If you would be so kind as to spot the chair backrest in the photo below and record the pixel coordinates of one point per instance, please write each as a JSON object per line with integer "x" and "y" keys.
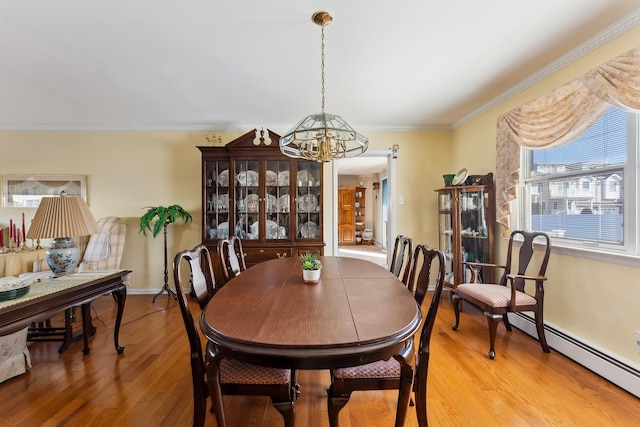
{"x": 201, "y": 276}
{"x": 104, "y": 250}
{"x": 231, "y": 257}
{"x": 525, "y": 255}
{"x": 401, "y": 258}
{"x": 203, "y": 286}
{"x": 429, "y": 270}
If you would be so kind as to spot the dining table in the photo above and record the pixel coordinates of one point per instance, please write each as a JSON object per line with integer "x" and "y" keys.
{"x": 357, "y": 313}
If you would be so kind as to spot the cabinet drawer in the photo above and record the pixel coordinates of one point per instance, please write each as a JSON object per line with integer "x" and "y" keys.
{"x": 256, "y": 255}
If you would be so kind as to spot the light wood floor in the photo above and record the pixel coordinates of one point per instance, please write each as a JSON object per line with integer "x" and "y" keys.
{"x": 150, "y": 384}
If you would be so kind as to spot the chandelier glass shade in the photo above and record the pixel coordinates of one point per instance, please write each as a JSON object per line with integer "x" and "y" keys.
{"x": 323, "y": 137}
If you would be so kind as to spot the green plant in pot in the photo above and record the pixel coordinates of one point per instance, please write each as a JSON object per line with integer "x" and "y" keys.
{"x": 163, "y": 216}
{"x": 311, "y": 267}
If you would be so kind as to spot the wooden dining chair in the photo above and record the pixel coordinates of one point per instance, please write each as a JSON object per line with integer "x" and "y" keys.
{"x": 428, "y": 269}
{"x": 401, "y": 258}
{"x": 508, "y": 295}
{"x": 237, "y": 378}
{"x": 231, "y": 257}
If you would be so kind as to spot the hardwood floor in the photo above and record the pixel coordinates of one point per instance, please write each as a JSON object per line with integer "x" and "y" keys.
{"x": 150, "y": 384}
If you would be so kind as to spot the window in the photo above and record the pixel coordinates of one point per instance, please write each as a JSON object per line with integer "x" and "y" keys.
{"x": 590, "y": 185}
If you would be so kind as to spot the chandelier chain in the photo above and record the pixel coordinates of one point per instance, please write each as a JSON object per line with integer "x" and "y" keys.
{"x": 322, "y": 64}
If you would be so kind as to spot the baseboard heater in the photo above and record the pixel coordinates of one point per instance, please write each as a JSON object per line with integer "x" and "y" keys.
{"x": 622, "y": 374}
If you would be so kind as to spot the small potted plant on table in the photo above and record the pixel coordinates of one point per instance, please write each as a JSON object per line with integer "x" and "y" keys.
{"x": 311, "y": 267}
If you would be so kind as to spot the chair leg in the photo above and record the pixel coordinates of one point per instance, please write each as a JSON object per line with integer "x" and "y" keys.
{"x": 288, "y": 411}
{"x": 420, "y": 389}
{"x": 407, "y": 372}
{"x": 334, "y": 405}
{"x": 540, "y": 328}
{"x": 505, "y": 320}
{"x": 457, "y": 302}
{"x": 492, "y": 320}
{"x": 199, "y": 407}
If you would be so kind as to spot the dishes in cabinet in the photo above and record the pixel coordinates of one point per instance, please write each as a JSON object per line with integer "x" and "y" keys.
{"x": 305, "y": 178}
{"x": 247, "y": 178}
{"x": 272, "y": 203}
{"x": 223, "y": 230}
{"x": 307, "y": 203}
{"x": 271, "y": 178}
{"x": 310, "y": 230}
{"x": 283, "y": 203}
{"x": 220, "y": 203}
{"x": 251, "y": 203}
{"x": 223, "y": 178}
{"x": 271, "y": 229}
{"x": 283, "y": 178}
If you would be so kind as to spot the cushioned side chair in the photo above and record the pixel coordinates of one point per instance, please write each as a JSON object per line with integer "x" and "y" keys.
{"x": 508, "y": 295}
{"x": 428, "y": 269}
{"x": 231, "y": 257}
{"x": 237, "y": 378}
{"x": 401, "y": 258}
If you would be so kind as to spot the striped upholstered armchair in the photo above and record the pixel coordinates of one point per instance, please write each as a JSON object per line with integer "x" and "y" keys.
{"x": 104, "y": 250}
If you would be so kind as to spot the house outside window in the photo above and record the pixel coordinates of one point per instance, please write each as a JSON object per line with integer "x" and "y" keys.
{"x": 590, "y": 184}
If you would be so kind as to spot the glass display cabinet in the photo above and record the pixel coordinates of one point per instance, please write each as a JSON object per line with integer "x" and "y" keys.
{"x": 466, "y": 216}
{"x": 272, "y": 202}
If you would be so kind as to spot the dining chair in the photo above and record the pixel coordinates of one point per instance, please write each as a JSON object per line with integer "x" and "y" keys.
{"x": 508, "y": 295}
{"x": 231, "y": 257}
{"x": 237, "y": 378}
{"x": 401, "y": 258}
{"x": 428, "y": 269}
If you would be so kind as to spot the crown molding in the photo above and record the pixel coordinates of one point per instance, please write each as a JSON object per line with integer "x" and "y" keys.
{"x": 620, "y": 27}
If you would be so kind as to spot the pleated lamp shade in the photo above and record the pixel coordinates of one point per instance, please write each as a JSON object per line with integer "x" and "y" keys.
{"x": 62, "y": 217}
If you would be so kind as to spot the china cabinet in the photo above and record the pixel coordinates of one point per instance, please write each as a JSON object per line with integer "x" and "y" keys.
{"x": 272, "y": 202}
{"x": 466, "y": 215}
{"x": 360, "y": 209}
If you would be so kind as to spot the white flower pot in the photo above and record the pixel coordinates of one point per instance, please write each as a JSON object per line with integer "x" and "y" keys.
{"x": 311, "y": 276}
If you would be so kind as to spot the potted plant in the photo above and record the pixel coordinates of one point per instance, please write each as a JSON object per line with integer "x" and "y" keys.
{"x": 163, "y": 216}
{"x": 311, "y": 267}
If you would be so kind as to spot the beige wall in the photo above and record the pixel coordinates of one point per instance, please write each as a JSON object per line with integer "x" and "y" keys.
{"x": 596, "y": 301}
{"x": 127, "y": 171}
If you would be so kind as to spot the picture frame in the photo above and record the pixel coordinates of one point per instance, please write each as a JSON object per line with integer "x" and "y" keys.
{"x": 26, "y": 191}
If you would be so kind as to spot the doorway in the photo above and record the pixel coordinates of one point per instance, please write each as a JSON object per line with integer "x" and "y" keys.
{"x": 347, "y": 167}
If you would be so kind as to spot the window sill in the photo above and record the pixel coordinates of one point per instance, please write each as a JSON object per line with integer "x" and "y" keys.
{"x": 593, "y": 254}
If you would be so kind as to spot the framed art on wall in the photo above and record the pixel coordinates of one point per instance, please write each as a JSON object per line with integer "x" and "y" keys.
{"x": 26, "y": 191}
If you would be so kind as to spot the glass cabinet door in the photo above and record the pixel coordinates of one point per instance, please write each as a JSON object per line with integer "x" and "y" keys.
{"x": 474, "y": 206}
{"x": 247, "y": 195}
{"x": 308, "y": 200}
{"x": 217, "y": 199}
{"x": 446, "y": 234}
{"x": 277, "y": 199}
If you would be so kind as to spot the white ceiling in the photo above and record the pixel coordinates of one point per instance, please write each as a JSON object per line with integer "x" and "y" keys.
{"x": 119, "y": 64}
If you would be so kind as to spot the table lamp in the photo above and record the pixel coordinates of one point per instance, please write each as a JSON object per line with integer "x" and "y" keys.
{"x": 59, "y": 218}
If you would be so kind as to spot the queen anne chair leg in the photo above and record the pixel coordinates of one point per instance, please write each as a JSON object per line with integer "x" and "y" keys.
{"x": 407, "y": 373}
{"x": 493, "y": 320}
{"x": 288, "y": 411}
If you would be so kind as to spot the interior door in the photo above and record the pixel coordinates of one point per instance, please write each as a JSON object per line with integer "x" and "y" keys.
{"x": 346, "y": 216}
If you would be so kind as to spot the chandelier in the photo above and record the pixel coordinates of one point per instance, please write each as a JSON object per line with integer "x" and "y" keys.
{"x": 322, "y": 137}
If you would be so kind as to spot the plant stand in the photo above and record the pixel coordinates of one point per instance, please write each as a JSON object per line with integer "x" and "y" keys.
{"x": 165, "y": 287}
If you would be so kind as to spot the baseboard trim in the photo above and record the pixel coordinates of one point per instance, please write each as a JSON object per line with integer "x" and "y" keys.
{"x": 625, "y": 374}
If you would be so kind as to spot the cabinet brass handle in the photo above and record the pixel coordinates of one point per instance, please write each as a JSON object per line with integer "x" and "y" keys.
{"x": 261, "y": 251}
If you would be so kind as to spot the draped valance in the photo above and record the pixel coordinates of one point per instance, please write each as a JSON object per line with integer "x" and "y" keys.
{"x": 559, "y": 117}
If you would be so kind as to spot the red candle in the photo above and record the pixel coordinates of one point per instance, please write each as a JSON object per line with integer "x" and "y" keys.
{"x": 10, "y": 228}
{"x": 18, "y": 237}
{"x": 15, "y": 234}
{"x": 2, "y": 237}
{"x": 24, "y": 232}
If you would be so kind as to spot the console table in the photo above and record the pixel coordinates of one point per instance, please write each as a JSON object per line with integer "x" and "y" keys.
{"x": 49, "y": 297}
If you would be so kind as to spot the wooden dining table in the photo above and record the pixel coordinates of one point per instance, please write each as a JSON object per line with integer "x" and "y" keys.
{"x": 358, "y": 313}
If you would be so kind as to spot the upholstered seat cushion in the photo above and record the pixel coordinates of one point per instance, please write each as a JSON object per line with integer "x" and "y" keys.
{"x": 493, "y": 295}
{"x": 380, "y": 369}
{"x": 236, "y": 372}
{"x": 14, "y": 355}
